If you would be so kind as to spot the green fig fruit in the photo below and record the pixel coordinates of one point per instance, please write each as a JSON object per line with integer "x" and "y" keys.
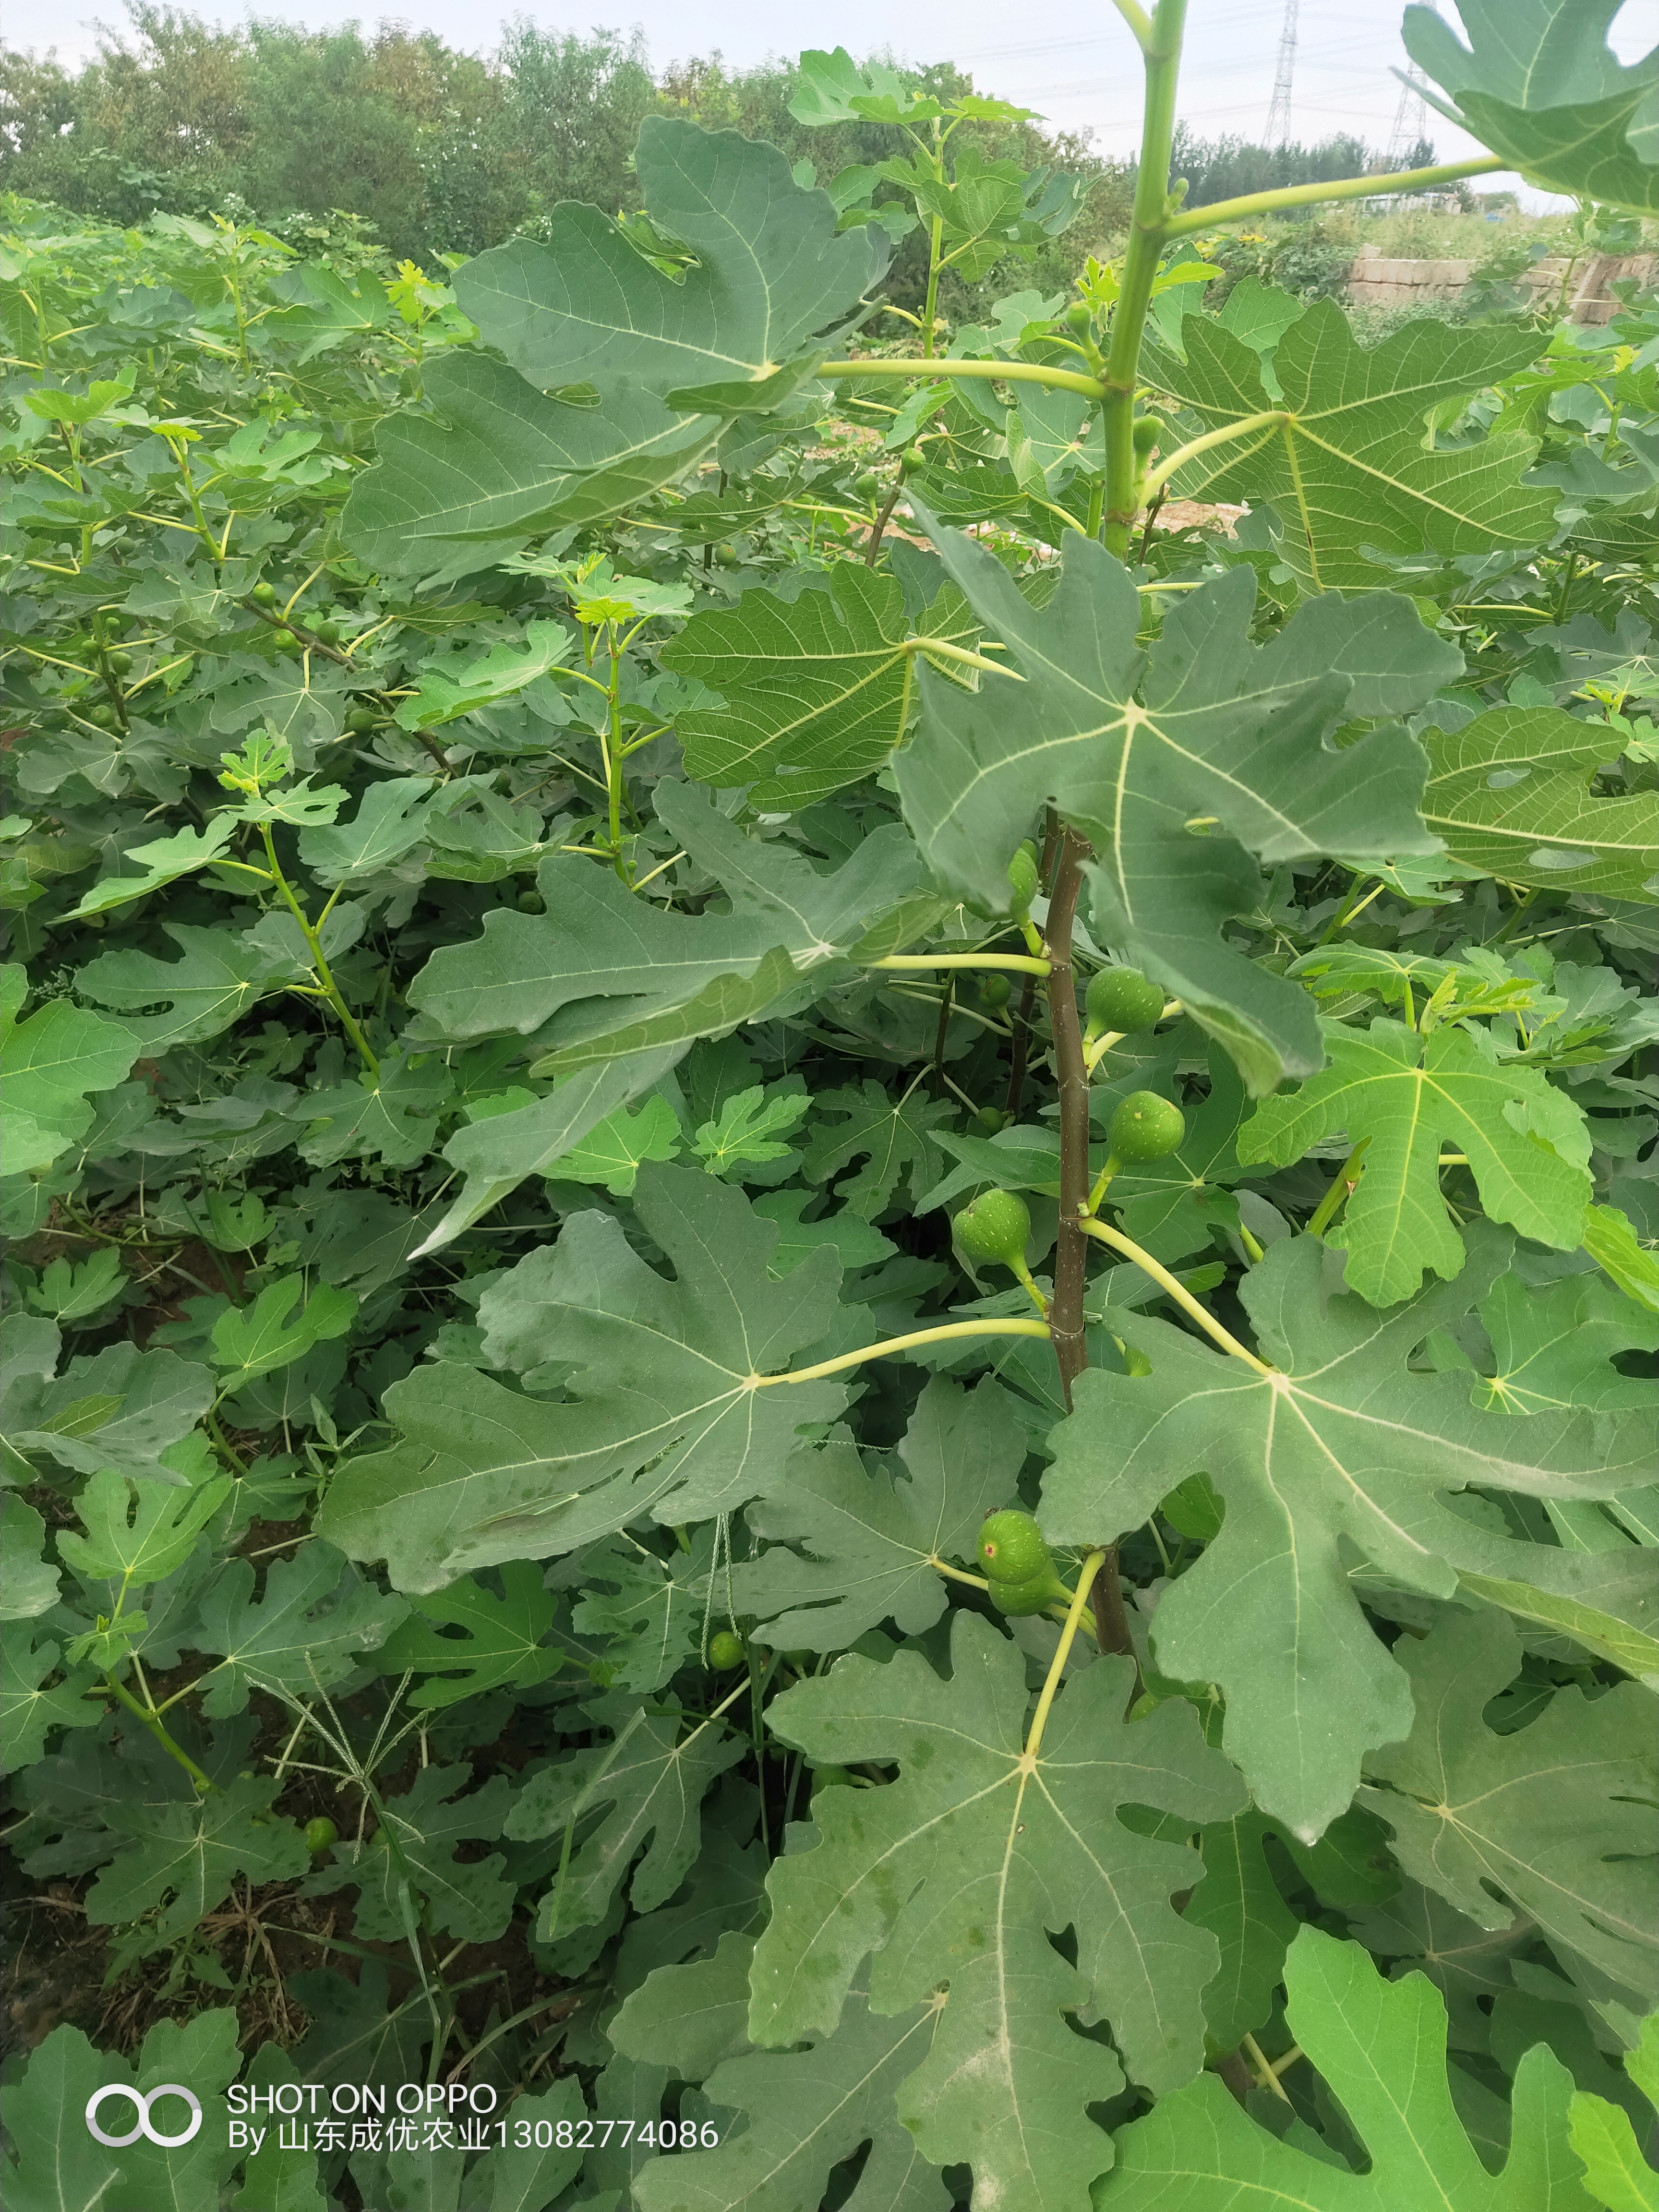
{"x": 994, "y": 1229}
{"x": 1122, "y": 998}
{"x": 726, "y": 1649}
{"x": 994, "y": 991}
{"x": 1147, "y": 1128}
{"x": 321, "y": 1835}
{"x": 1035, "y": 1595}
{"x": 1012, "y": 1548}
{"x": 1023, "y": 881}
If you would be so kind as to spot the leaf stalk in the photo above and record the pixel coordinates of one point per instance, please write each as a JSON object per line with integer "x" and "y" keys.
{"x": 1348, "y": 188}
{"x": 1091, "y": 1567}
{"x": 1176, "y": 1289}
{"x": 948, "y": 1332}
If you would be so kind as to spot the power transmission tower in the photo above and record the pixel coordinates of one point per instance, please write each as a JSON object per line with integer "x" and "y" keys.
{"x": 1278, "y": 115}
{"x": 1411, "y": 122}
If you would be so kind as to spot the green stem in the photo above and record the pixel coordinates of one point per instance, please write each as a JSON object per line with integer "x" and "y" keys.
{"x": 1150, "y": 225}
{"x": 1091, "y": 1567}
{"x": 929, "y": 307}
{"x": 152, "y": 1721}
{"x": 1350, "y": 188}
{"x": 1024, "y": 964}
{"x": 942, "y": 1034}
{"x": 1346, "y": 1176}
{"x": 1175, "y": 1289}
{"x": 937, "y": 646}
{"x": 1157, "y": 479}
{"x": 613, "y": 762}
{"x": 182, "y": 452}
{"x": 947, "y": 1333}
{"x": 223, "y": 1441}
{"x": 955, "y": 1574}
{"x": 1001, "y": 372}
{"x": 1266, "y": 2077}
{"x": 1352, "y": 908}
{"x": 325, "y": 975}
{"x": 1102, "y": 1182}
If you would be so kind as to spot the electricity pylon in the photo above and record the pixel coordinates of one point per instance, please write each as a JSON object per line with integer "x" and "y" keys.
{"x": 1278, "y": 115}
{"x": 1411, "y": 122}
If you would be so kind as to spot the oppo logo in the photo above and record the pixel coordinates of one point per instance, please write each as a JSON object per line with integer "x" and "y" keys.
{"x": 144, "y": 2101}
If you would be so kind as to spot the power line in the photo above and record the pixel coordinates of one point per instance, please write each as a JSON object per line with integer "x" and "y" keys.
{"x": 1279, "y": 114}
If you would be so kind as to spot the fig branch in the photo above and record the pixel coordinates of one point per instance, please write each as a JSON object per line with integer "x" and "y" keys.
{"x": 1071, "y": 1257}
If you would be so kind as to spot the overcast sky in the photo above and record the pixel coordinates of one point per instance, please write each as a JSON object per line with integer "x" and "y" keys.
{"x": 1077, "y": 66}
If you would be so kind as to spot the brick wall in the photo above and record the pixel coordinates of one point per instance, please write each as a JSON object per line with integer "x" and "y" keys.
{"x": 1375, "y": 281}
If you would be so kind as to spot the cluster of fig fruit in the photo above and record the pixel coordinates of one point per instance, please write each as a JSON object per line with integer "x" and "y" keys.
{"x": 1018, "y": 1565}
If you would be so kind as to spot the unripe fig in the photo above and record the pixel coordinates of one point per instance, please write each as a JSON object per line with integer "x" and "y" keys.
{"x": 827, "y": 1777}
{"x": 910, "y": 460}
{"x": 361, "y": 721}
{"x": 1035, "y": 1595}
{"x": 1147, "y": 1128}
{"x": 994, "y": 1229}
{"x": 321, "y": 1835}
{"x": 728, "y": 557}
{"x": 327, "y": 631}
{"x": 994, "y": 990}
{"x": 1080, "y": 315}
{"x": 1148, "y": 429}
{"x": 1012, "y": 1548}
{"x": 263, "y": 595}
{"x": 1023, "y": 881}
{"x": 1122, "y": 998}
{"x": 991, "y": 1119}
{"x": 119, "y": 660}
{"x": 865, "y": 484}
{"x": 726, "y": 1649}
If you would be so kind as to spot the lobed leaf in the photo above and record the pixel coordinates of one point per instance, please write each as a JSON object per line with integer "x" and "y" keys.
{"x": 1347, "y": 470}
{"x": 1336, "y": 1449}
{"x": 1176, "y": 767}
{"x": 1381, "y": 2047}
{"x": 957, "y": 1872}
{"x": 1554, "y": 1820}
{"x": 663, "y": 1418}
